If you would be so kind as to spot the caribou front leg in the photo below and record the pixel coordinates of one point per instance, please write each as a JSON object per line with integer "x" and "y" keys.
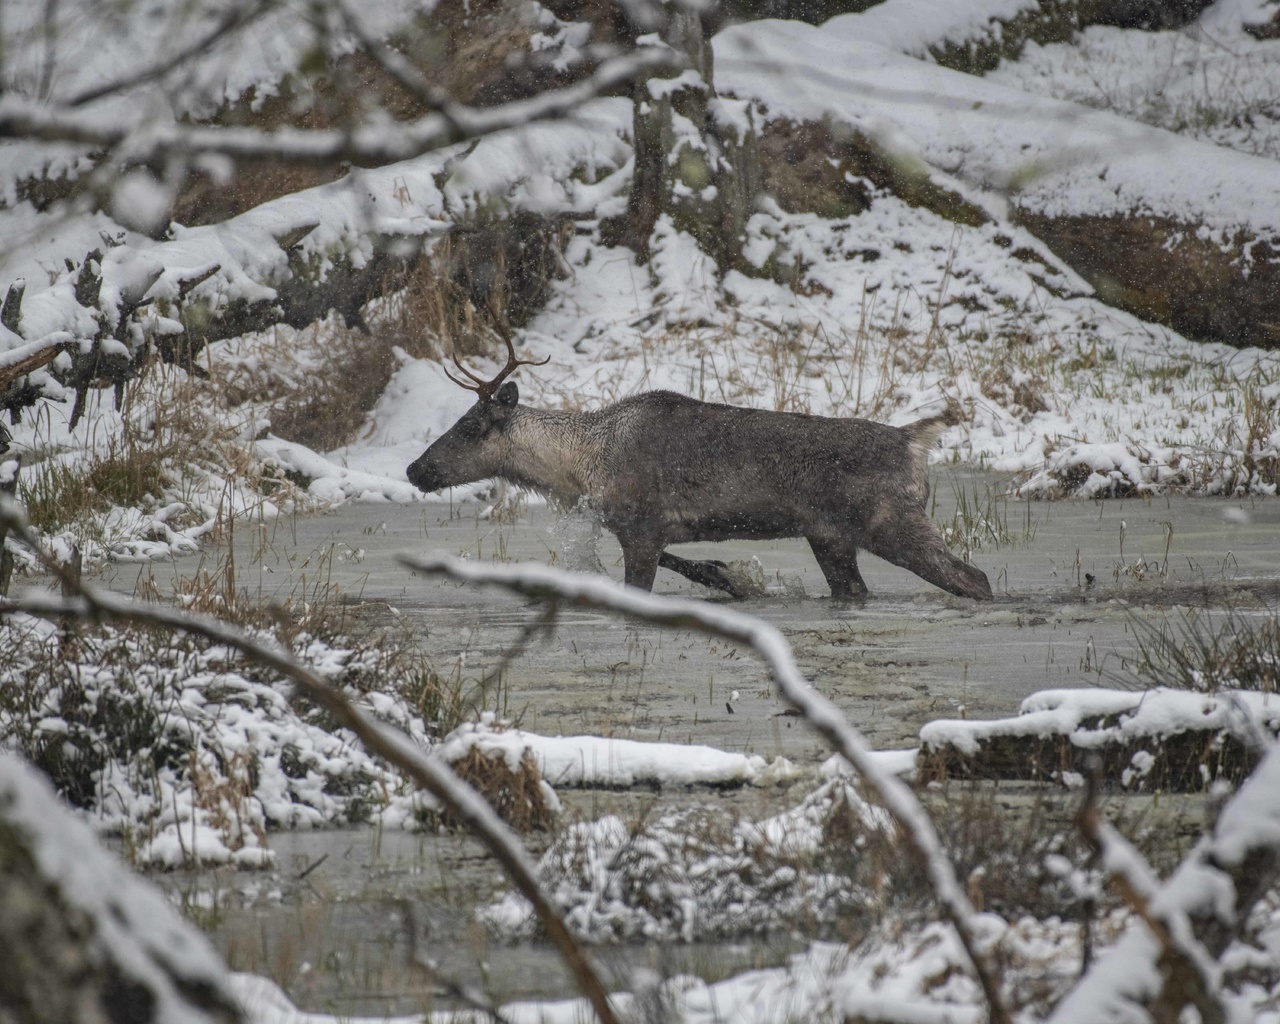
{"x": 639, "y": 561}
{"x": 709, "y": 572}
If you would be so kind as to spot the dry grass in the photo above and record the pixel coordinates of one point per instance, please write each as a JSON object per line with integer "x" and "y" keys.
{"x": 494, "y": 270}
{"x": 518, "y": 796}
{"x": 330, "y": 405}
{"x": 1208, "y": 652}
{"x": 170, "y": 439}
{"x": 981, "y": 521}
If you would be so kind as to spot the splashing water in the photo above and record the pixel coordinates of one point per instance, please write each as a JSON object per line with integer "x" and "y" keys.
{"x": 577, "y": 531}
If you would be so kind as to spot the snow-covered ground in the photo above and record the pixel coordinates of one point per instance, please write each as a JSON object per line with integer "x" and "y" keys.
{"x": 1211, "y": 80}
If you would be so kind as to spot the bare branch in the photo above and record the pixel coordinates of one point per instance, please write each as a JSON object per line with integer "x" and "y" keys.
{"x": 234, "y": 19}
{"x": 395, "y": 747}
{"x": 399, "y": 67}
{"x": 381, "y": 144}
{"x": 543, "y": 583}
{"x": 446, "y": 984}
{"x": 1213, "y": 889}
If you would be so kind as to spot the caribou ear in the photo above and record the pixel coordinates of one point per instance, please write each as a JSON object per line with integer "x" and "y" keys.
{"x": 508, "y": 394}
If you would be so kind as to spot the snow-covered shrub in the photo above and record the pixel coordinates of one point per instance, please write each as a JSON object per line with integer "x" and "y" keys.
{"x": 189, "y": 751}
{"x": 689, "y": 875}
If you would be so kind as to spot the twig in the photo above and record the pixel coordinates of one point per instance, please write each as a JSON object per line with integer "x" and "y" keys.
{"x": 379, "y": 738}
{"x": 399, "y": 67}
{"x": 1138, "y": 885}
{"x": 236, "y": 18}
{"x": 371, "y": 145}
{"x": 544, "y": 583}
{"x": 312, "y": 866}
{"x": 447, "y": 985}
{"x": 1213, "y": 890}
{"x": 545, "y": 623}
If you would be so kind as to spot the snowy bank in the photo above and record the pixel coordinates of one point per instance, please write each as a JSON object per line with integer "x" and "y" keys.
{"x": 1158, "y": 739}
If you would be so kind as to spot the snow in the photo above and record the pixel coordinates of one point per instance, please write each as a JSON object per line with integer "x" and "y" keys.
{"x": 894, "y": 272}
{"x": 894, "y": 313}
{"x": 212, "y": 755}
{"x": 1121, "y": 716}
{"x": 127, "y": 922}
{"x": 679, "y": 877}
{"x": 606, "y": 762}
{"x": 1059, "y": 158}
{"x": 910, "y": 974}
{"x": 915, "y": 26}
{"x": 1211, "y": 81}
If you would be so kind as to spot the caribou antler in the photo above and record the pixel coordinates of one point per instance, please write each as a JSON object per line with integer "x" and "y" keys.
{"x": 486, "y": 389}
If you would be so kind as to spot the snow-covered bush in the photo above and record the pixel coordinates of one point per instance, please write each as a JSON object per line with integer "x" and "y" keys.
{"x": 689, "y": 875}
{"x": 190, "y": 752}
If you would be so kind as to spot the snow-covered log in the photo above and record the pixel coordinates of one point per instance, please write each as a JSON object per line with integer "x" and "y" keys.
{"x": 83, "y": 939}
{"x": 1161, "y": 740}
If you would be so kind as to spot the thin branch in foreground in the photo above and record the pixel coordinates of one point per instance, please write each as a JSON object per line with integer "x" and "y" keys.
{"x": 547, "y": 584}
{"x": 445, "y": 984}
{"x": 374, "y": 145}
{"x": 1214, "y": 889}
{"x": 234, "y": 19}
{"x": 429, "y": 773}
{"x": 1138, "y": 885}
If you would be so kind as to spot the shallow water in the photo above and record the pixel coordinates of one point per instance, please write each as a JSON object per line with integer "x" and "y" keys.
{"x": 1068, "y": 586}
{"x": 1072, "y": 579}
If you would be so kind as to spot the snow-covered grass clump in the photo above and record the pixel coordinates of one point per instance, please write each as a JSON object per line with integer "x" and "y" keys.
{"x": 190, "y": 753}
{"x": 689, "y": 875}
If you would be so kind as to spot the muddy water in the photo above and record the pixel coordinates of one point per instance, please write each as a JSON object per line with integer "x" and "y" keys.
{"x": 1071, "y": 580}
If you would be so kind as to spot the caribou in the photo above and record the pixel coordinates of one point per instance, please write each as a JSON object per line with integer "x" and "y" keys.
{"x": 660, "y": 468}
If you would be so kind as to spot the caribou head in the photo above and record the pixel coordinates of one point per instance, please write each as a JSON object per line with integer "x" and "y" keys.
{"x": 477, "y": 446}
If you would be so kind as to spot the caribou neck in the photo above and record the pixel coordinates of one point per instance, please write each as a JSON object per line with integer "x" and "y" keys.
{"x": 553, "y": 453}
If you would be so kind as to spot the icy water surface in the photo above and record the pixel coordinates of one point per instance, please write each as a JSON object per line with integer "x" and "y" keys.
{"x": 1070, "y": 577}
{"x": 334, "y": 922}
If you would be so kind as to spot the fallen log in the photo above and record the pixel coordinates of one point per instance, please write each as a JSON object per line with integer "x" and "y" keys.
{"x": 1153, "y": 741}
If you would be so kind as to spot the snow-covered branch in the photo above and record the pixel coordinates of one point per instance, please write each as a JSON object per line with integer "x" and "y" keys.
{"x": 429, "y": 773}
{"x": 84, "y": 938}
{"x": 1213, "y": 889}
{"x": 232, "y": 20}
{"x": 1169, "y": 923}
{"x": 381, "y": 143}
{"x": 549, "y": 584}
